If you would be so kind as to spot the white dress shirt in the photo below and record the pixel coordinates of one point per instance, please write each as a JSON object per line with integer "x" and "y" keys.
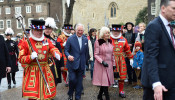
{"x": 80, "y": 41}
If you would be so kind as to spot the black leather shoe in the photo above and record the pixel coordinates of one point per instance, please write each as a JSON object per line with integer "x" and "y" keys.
{"x": 122, "y": 94}
{"x": 14, "y": 82}
{"x": 99, "y": 97}
{"x": 9, "y": 86}
{"x": 82, "y": 92}
{"x": 70, "y": 98}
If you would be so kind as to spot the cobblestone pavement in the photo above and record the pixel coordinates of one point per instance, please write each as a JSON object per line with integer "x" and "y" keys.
{"x": 90, "y": 92}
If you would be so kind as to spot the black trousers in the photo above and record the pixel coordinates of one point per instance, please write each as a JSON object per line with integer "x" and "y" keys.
{"x": 103, "y": 89}
{"x": 130, "y": 71}
{"x": 9, "y": 77}
{"x": 0, "y": 81}
{"x": 148, "y": 94}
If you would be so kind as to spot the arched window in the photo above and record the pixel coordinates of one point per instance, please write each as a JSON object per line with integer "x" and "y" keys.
{"x": 113, "y": 9}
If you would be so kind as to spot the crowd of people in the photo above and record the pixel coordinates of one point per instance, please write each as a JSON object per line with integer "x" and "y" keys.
{"x": 143, "y": 56}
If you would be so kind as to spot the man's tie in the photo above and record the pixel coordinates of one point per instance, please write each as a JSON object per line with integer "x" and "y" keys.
{"x": 172, "y": 35}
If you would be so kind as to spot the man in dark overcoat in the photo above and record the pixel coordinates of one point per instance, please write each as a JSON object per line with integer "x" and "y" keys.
{"x": 4, "y": 59}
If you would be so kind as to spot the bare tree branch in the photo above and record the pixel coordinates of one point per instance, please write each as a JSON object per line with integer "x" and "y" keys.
{"x": 69, "y": 12}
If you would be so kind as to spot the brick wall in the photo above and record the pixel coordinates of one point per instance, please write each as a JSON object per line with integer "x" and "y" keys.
{"x": 47, "y": 11}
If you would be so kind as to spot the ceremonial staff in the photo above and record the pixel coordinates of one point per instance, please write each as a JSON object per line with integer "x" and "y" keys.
{"x": 20, "y": 18}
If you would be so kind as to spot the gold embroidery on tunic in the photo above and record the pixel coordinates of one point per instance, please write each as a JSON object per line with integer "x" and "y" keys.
{"x": 38, "y": 45}
{"x": 41, "y": 56}
{"x": 39, "y": 51}
{"x": 117, "y": 49}
{"x": 115, "y": 42}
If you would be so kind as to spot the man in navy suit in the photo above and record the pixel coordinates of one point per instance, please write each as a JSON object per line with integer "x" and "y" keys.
{"x": 76, "y": 51}
{"x": 158, "y": 73}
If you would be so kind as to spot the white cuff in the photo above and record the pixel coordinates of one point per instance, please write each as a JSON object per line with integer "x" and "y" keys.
{"x": 156, "y": 84}
{"x": 64, "y": 44}
{"x": 57, "y": 56}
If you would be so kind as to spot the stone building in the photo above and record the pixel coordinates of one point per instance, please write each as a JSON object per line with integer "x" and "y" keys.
{"x": 30, "y": 9}
{"x": 98, "y": 13}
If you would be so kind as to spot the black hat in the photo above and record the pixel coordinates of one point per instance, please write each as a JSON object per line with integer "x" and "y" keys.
{"x": 27, "y": 31}
{"x": 67, "y": 26}
{"x": 116, "y": 27}
{"x": 129, "y": 23}
{"x": 37, "y": 24}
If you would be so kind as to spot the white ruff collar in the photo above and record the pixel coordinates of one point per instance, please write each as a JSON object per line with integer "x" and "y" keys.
{"x": 67, "y": 34}
{"x": 35, "y": 38}
{"x": 116, "y": 37}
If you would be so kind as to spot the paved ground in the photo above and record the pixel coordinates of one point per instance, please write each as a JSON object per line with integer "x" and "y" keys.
{"x": 90, "y": 92}
{"x": 18, "y": 78}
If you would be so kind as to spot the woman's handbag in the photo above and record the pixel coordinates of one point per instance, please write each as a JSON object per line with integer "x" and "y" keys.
{"x": 116, "y": 74}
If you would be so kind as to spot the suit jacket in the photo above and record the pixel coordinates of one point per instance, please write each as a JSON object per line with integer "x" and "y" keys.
{"x": 159, "y": 56}
{"x": 4, "y": 57}
{"x": 80, "y": 56}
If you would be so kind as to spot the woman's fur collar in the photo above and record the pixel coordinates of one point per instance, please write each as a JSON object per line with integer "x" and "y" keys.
{"x": 101, "y": 41}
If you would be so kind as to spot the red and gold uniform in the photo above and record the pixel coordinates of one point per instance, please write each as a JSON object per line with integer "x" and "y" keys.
{"x": 19, "y": 46}
{"x": 20, "y": 43}
{"x": 34, "y": 86}
{"x": 21, "y": 40}
{"x": 62, "y": 39}
{"x": 121, "y": 48}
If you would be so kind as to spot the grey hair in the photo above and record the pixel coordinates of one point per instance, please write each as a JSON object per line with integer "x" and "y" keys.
{"x": 165, "y": 2}
{"x": 79, "y": 24}
{"x": 103, "y": 30}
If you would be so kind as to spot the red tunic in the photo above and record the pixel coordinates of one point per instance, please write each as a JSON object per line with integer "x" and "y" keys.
{"x": 63, "y": 38}
{"x": 19, "y": 46}
{"x": 121, "y": 48}
{"x": 34, "y": 86}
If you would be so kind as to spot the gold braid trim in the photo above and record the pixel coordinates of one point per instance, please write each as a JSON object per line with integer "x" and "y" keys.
{"x": 127, "y": 51}
{"x": 55, "y": 69}
{"x": 62, "y": 37}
